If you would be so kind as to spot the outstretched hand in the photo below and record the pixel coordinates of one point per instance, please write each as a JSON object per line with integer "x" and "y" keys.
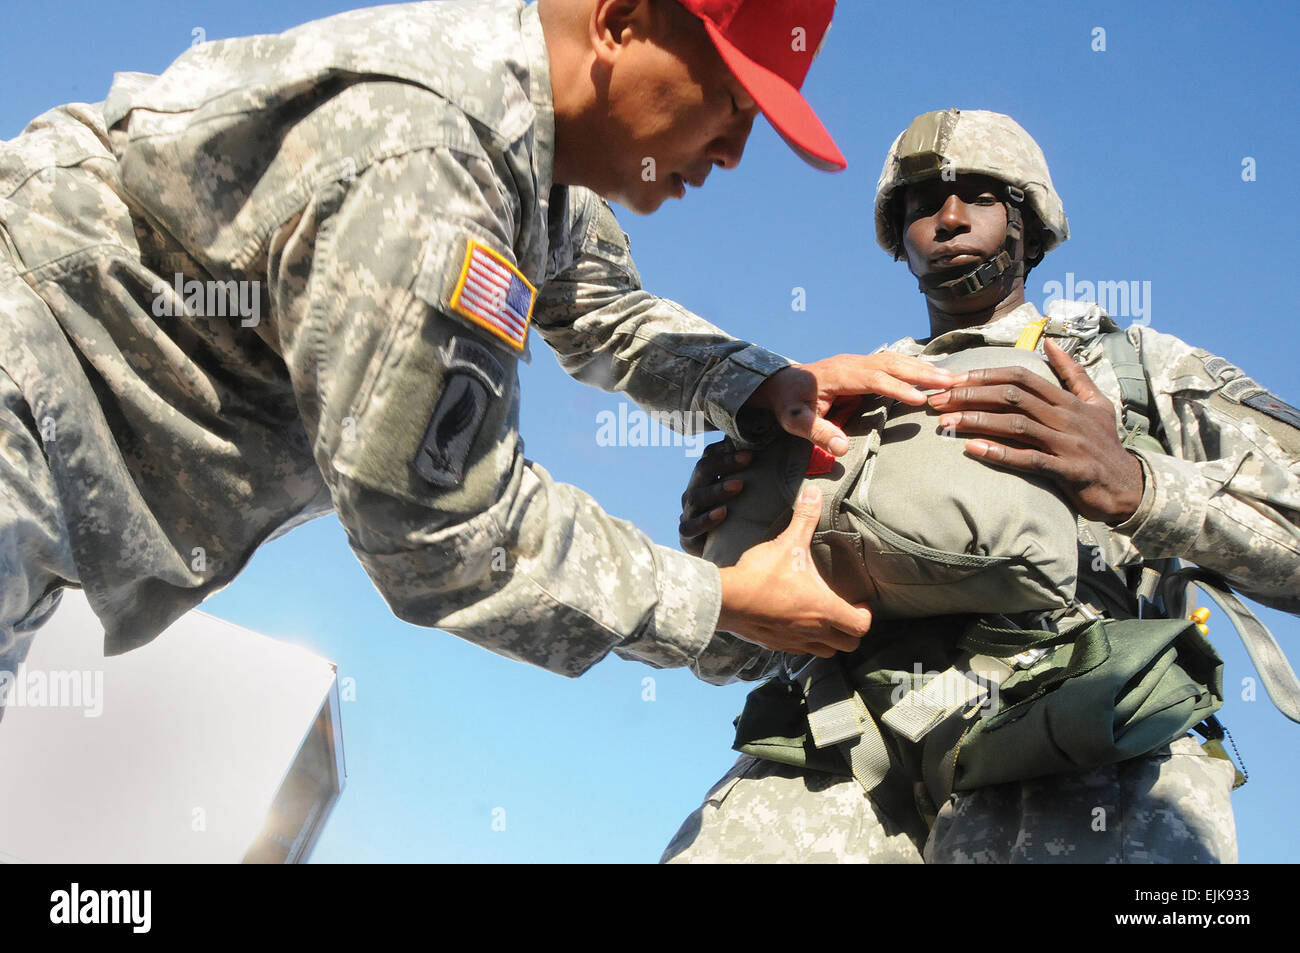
{"x": 1065, "y": 433}
{"x": 775, "y": 597}
{"x": 801, "y": 395}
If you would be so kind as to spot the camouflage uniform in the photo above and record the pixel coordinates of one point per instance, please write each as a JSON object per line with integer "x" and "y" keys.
{"x": 330, "y": 180}
{"x": 1225, "y": 496}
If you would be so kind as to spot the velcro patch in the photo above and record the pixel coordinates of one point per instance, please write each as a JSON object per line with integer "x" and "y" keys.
{"x": 1217, "y": 367}
{"x": 494, "y": 295}
{"x": 1275, "y": 407}
{"x": 455, "y": 424}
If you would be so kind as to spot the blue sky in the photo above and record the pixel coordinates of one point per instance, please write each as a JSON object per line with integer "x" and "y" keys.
{"x": 1146, "y": 141}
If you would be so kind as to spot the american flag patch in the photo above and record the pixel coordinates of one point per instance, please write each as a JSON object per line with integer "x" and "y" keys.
{"x": 494, "y": 295}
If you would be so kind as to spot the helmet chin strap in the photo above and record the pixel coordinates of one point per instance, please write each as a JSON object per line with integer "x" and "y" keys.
{"x": 1009, "y": 262}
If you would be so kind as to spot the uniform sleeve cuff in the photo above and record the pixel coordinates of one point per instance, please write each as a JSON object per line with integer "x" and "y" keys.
{"x": 728, "y": 658}
{"x": 732, "y": 384}
{"x": 1169, "y": 519}
{"x": 686, "y": 612}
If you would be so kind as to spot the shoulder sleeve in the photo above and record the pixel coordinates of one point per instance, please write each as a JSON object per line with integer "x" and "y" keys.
{"x": 1226, "y": 495}
{"x": 411, "y": 402}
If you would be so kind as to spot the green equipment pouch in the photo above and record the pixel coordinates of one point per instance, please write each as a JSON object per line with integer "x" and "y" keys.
{"x": 1101, "y": 692}
{"x": 1021, "y": 703}
{"x": 774, "y": 727}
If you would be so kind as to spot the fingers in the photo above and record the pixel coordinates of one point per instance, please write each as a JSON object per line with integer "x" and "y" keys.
{"x": 964, "y": 406}
{"x": 713, "y": 467}
{"x": 823, "y": 645}
{"x": 838, "y": 641}
{"x": 857, "y": 374}
{"x": 703, "y": 503}
{"x": 1071, "y": 372}
{"x": 774, "y": 595}
{"x": 853, "y": 622}
{"x": 1000, "y": 386}
{"x": 1018, "y": 427}
{"x": 1027, "y": 460}
{"x": 802, "y": 422}
{"x": 707, "y": 517}
{"x": 848, "y": 622}
{"x": 898, "y": 389}
{"x": 897, "y": 372}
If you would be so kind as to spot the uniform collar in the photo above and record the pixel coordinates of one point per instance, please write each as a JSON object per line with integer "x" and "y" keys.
{"x": 539, "y": 80}
{"x": 1005, "y": 331}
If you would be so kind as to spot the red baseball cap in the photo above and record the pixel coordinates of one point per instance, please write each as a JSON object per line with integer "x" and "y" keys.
{"x": 769, "y": 46}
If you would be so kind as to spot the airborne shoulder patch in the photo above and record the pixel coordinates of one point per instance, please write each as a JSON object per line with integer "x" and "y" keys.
{"x": 444, "y": 451}
{"x": 475, "y": 378}
{"x": 493, "y": 294}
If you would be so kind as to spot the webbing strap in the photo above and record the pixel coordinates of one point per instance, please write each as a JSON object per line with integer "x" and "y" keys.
{"x": 868, "y": 757}
{"x": 1267, "y": 656}
{"x": 1004, "y": 643}
{"x": 921, "y": 709}
{"x": 837, "y": 716}
{"x": 1148, "y": 584}
{"x": 1135, "y": 396}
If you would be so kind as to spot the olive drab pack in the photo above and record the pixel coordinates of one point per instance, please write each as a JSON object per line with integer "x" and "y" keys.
{"x": 1000, "y": 700}
{"x": 911, "y": 524}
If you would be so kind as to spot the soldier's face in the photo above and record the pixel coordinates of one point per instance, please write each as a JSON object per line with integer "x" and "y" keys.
{"x": 674, "y": 112}
{"x": 953, "y": 227}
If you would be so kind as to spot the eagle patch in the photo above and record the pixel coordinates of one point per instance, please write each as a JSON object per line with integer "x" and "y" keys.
{"x": 452, "y": 430}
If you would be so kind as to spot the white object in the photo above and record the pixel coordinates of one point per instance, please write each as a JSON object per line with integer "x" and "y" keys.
{"x": 210, "y": 744}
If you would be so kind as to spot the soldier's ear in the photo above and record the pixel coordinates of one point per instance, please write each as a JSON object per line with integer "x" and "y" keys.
{"x": 1033, "y": 240}
{"x": 615, "y": 23}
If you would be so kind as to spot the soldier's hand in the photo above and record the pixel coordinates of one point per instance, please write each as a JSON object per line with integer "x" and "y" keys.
{"x": 800, "y": 395}
{"x": 703, "y": 503}
{"x": 1067, "y": 434}
{"x": 775, "y": 597}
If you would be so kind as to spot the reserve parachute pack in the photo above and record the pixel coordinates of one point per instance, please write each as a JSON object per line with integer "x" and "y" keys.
{"x": 910, "y": 523}
{"x": 945, "y": 548}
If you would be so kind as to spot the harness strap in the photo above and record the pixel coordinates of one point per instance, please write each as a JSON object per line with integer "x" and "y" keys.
{"x": 1267, "y": 656}
{"x": 1135, "y": 395}
{"x": 918, "y": 712}
{"x": 838, "y": 716}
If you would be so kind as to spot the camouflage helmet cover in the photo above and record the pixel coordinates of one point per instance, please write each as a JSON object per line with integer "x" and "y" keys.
{"x": 971, "y": 142}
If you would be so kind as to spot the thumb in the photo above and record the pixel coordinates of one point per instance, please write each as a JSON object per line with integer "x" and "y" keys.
{"x": 801, "y": 421}
{"x": 1071, "y": 373}
{"x": 829, "y": 437}
{"x": 807, "y": 513}
{"x": 852, "y": 619}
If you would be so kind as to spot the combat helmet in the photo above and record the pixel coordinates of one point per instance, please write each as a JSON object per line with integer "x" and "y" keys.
{"x": 952, "y": 142}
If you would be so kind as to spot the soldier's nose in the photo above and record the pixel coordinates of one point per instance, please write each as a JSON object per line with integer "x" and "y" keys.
{"x": 952, "y": 217}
